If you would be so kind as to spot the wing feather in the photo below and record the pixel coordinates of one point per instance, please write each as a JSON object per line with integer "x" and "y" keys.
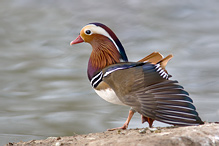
{"x": 146, "y": 90}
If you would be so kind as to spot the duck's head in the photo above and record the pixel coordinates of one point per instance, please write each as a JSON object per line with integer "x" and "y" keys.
{"x": 100, "y": 37}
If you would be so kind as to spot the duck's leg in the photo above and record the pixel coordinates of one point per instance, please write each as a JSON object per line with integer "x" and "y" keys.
{"x": 125, "y": 126}
{"x": 149, "y": 120}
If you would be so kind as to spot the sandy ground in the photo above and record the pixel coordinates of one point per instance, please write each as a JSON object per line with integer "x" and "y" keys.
{"x": 207, "y": 134}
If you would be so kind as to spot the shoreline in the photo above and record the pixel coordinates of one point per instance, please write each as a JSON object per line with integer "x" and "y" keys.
{"x": 207, "y": 134}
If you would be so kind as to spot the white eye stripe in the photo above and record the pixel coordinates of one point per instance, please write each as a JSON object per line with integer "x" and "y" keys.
{"x": 99, "y": 30}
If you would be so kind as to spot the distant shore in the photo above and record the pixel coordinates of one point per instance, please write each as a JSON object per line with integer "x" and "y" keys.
{"x": 207, "y": 134}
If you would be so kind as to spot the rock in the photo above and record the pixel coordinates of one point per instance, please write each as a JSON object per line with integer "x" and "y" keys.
{"x": 202, "y": 135}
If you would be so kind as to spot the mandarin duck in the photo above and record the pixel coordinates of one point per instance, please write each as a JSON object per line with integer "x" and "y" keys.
{"x": 144, "y": 85}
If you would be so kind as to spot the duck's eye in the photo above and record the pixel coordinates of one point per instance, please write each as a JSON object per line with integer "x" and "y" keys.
{"x": 88, "y": 32}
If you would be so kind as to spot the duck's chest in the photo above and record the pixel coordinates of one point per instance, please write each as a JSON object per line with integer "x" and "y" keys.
{"x": 102, "y": 88}
{"x": 109, "y": 95}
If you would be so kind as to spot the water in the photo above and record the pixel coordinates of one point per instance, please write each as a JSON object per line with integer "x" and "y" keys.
{"x": 44, "y": 90}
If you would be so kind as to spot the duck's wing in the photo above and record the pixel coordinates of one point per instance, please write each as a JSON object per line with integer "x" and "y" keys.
{"x": 146, "y": 88}
{"x": 157, "y": 58}
{"x": 154, "y": 58}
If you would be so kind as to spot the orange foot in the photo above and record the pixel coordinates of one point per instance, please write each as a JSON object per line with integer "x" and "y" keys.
{"x": 125, "y": 126}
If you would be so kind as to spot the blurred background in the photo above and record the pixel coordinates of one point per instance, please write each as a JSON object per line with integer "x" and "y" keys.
{"x": 44, "y": 90}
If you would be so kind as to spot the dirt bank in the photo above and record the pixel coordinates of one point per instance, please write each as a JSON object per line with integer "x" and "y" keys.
{"x": 207, "y": 134}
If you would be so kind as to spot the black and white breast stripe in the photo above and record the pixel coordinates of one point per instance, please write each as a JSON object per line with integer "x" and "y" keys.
{"x": 97, "y": 79}
{"x": 161, "y": 72}
{"x": 99, "y": 76}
